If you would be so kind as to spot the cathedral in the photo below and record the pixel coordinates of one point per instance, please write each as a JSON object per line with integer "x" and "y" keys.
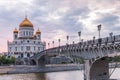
{"x": 26, "y": 42}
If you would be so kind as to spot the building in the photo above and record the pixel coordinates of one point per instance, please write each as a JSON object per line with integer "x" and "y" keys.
{"x": 26, "y": 42}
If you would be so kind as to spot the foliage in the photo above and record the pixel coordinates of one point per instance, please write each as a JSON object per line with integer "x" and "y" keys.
{"x": 78, "y": 60}
{"x": 64, "y": 62}
{"x": 6, "y": 61}
{"x": 114, "y": 59}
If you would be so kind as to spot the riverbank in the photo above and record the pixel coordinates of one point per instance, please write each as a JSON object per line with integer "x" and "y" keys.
{"x": 16, "y": 69}
{"x": 35, "y": 69}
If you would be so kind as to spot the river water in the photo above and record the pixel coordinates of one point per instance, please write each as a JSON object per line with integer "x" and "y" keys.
{"x": 64, "y": 75}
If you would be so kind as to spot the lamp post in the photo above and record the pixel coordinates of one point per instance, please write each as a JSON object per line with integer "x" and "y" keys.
{"x": 79, "y": 34}
{"x": 111, "y": 34}
{"x": 82, "y": 40}
{"x": 99, "y": 40}
{"x": 59, "y": 47}
{"x": 67, "y": 39}
{"x": 53, "y": 43}
{"x": 73, "y": 42}
{"x": 99, "y": 28}
{"x": 59, "y": 42}
{"x": 93, "y": 39}
{"x": 48, "y": 45}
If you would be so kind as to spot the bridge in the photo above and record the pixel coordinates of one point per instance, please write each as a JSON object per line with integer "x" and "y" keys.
{"x": 94, "y": 52}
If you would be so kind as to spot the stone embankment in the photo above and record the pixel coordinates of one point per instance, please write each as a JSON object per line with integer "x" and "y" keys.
{"x": 15, "y": 69}
{"x": 35, "y": 69}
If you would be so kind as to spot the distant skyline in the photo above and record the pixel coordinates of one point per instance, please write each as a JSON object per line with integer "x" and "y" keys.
{"x": 59, "y": 18}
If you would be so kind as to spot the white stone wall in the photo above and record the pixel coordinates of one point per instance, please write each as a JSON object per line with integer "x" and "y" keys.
{"x": 25, "y": 43}
{"x": 26, "y": 32}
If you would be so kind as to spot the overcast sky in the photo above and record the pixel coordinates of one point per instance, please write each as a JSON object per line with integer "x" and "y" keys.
{"x": 59, "y": 18}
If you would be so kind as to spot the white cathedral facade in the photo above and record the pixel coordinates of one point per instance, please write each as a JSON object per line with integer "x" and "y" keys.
{"x": 26, "y": 42}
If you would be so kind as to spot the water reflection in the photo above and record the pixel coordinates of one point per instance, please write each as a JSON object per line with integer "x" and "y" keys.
{"x": 30, "y": 76}
{"x": 40, "y": 76}
{"x": 65, "y": 75}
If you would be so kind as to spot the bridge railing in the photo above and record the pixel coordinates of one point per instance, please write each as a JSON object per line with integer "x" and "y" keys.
{"x": 83, "y": 46}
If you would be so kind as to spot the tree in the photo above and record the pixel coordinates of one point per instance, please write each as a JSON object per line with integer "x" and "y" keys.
{"x": 6, "y": 61}
{"x": 12, "y": 60}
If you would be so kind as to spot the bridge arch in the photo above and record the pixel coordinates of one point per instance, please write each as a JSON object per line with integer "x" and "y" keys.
{"x": 33, "y": 62}
{"x": 41, "y": 60}
{"x": 99, "y": 69}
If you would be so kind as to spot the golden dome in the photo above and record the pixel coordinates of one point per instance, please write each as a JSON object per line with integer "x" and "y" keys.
{"x": 15, "y": 30}
{"x": 38, "y": 31}
{"x": 26, "y": 23}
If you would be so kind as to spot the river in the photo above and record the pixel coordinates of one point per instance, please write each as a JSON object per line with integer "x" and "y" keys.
{"x": 64, "y": 75}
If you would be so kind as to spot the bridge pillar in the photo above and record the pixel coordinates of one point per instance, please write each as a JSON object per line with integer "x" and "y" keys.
{"x": 41, "y": 62}
{"x": 98, "y": 70}
{"x": 87, "y": 70}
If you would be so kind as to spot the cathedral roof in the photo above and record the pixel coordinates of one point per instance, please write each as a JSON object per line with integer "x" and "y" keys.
{"x": 15, "y": 30}
{"x": 38, "y": 31}
{"x": 26, "y": 23}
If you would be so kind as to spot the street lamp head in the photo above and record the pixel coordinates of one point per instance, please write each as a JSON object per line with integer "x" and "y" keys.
{"x": 58, "y": 40}
{"x": 94, "y": 38}
{"x": 99, "y": 27}
{"x": 73, "y": 42}
{"x": 53, "y": 42}
{"x": 48, "y": 44}
{"x": 111, "y": 34}
{"x": 82, "y": 40}
{"x": 67, "y": 37}
{"x": 79, "y": 33}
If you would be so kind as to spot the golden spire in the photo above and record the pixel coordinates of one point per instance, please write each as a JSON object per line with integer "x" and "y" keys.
{"x": 15, "y": 30}
{"x": 38, "y": 31}
{"x": 26, "y": 23}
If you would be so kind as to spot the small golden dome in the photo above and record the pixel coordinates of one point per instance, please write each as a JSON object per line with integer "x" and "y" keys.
{"x": 15, "y": 30}
{"x": 38, "y": 31}
{"x": 26, "y": 23}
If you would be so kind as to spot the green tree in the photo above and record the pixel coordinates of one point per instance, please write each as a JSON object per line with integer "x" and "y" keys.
{"x": 6, "y": 61}
{"x": 12, "y": 60}
{"x": 3, "y": 59}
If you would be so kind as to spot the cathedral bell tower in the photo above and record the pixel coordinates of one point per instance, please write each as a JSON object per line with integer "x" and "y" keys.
{"x": 15, "y": 34}
{"x": 38, "y": 34}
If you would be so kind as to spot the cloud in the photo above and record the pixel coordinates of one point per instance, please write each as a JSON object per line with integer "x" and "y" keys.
{"x": 108, "y": 19}
{"x": 59, "y": 18}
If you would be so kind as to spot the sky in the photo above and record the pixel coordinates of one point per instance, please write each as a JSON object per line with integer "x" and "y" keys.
{"x": 58, "y": 18}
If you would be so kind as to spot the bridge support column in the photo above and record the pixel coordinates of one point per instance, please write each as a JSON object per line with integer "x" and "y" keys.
{"x": 98, "y": 70}
{"x": 87, "y": 70}
{"x": 41, "y": 62}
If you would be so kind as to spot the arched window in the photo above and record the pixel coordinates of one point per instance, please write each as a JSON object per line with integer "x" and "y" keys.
{"x": 34, "y": 48}
{"x": 15, "y": 48}
{"x": 27, "y": 47}
{"x": 10, "y": 48}
{"x": 28, "y": 54}
{"x": 38, "y": 36}
{"x": 29, "y": 33}
{"x": 15, "y": 36}
{"x": 26, "y": 33}
{"x": 38, "y": 48}
{"x": 22, "y": 55}
{"x": 21, "y": 48}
